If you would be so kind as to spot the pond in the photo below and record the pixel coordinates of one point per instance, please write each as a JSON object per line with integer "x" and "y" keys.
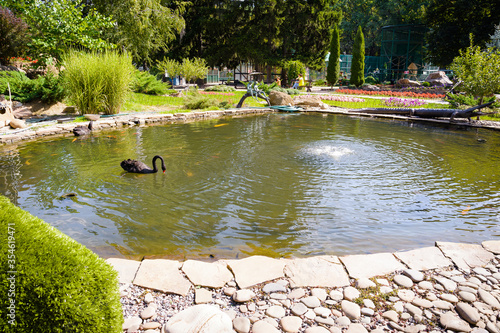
{"x": 275, "y": 185}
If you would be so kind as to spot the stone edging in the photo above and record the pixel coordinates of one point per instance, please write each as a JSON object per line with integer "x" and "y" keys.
{"x": 451, "y": 286}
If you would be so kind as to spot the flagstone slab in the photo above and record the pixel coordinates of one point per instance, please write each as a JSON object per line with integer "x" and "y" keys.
{"x": 316, "y": 272}
{"x": 213, "y": 275}
{"x": 370, "y": 265}
{"x": 164, "y": 275}
{"x": 465, "y": 256}
{"x": 256, "y": 269}
{"x": 492, "y": 246}
{"x": 424, "y": 259}
{"x": 126, "y": 268}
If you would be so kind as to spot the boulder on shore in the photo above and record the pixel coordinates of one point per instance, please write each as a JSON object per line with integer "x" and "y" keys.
{"x": 279, "y": 98}
{"x": 438, "y": 79}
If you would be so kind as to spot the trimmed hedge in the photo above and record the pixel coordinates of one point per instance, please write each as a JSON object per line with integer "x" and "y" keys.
{"x": 59, "y": 285}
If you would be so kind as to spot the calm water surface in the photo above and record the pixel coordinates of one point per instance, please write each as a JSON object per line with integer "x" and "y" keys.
{"x": 278, "y": 184}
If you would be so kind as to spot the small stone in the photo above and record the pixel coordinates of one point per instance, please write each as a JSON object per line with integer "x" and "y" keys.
{"x": 356, "y": 328}
{"x": 131, "y": 322}
{"x": 383, "y": 282}
{"x": 369, "y": 303}
{"x": 286, "y": 303}
{"x": 276, "y": 311}
{"x": 467, "y": 296}
{"x": 273, "y": 288}
{"x": 243, "y": 295}
{"x": 278, "y": 296}
{"x": 447, "y": 283}
{"x": 323, "y": 312}
{"x": 415, "y": 311}
{"x": 263, "y": 326}
{"x": 311, "y": 301}
{"x": 202, "y": 296}
{"x": 488, "y": 299}
{"x": 335, "y": 329}
{"x": 426, "y": 285}
{"x": 395, "y": 326}
{"x": 148, "y": 312}
{"x": 148, "y": 298}
{"x": 152, "y": 325}
{"x": 316, "y": 329}
{"x": 299, "y": 309}
{"x": 326, "y": 321}
{"x": 364, "y": 283}
{"x": 406, "y": 295}
{"x": 450, "y": 298}
{"x": 431, "y": 297}
{"x": 399, "y": 307}
{"x": 310, "y": 314}
{"x": 297, "y": 293}
{"x": 243, "y": 308}
{"x": 481, "y": 271}
{"x": 351, "y": 310}
{"x": 229, "y": 291}
{"x": 474, "y": 280}
{"x": 415, "y": 329}
{"x": 391, "y": 315}
{"x": 320, "y": 293}
{"x": 385, "y": 290}
{"x": 468, "y": 313}
{"x": 492, "y": 328}
{"x": 193, "y": 319}
{"x": 251, "y": 307}
{"x": 483, "y": 308}
{"x": 241, "y": 324}
{"x": 230, "y": 313}
{"x": 291, "y": 324}
{"x": 336, "y": 295}
{"x": 351, "y": 293}
{"x": 415, "y": 275}
{"x": 343, "y": 321}
{"x": 405, "y": 316}
{"x": 403, "y": 281}
{"x": 336, "y": 313}
{"x": 423, "y": 303}
{"x": 443, "y": 305}
{"x": 367, "y": 312}
{"x": 449, "y": 321}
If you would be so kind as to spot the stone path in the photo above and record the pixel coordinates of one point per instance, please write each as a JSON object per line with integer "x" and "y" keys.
{"x": 451, "y": 287}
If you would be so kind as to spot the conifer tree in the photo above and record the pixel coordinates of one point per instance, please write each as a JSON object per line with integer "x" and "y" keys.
{"x": 358, "y": 60}
{"x": 333, "y": 69}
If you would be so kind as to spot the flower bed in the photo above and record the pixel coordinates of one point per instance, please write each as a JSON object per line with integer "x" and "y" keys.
{"x": 389, "y": 93}
{"x": 337, "y": 98}
{"x": 401, "y": 102}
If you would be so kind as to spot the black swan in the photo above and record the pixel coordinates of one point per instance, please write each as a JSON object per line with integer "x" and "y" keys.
{"x": 83, "y": 130}
{"x": 139, "y": 167}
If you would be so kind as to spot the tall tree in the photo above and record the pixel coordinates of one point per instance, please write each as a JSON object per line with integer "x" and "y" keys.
{"x": 451, "y": 22}
{"x": 358, "y": 60}
{"x": 333, "y": 69}
{"x": 144, "y": 27}
{"x": 58, "y": 25}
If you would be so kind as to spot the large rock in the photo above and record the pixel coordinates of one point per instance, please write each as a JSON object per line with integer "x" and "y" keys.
{"x": 438, "y": 79}
{"x": 17, "y": 123}
{"x": 213, "y": 275}
{"x": 199, "y": 319}
{"x": 279, "y": 98}
{"x": 370, "y": 265}
{"x": 408, "y": 83}
{"x": 308, "y": 101}
{"x": 6, "y": 115}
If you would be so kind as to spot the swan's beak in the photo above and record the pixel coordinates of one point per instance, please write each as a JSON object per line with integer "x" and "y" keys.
{"x": 164, "y": 171}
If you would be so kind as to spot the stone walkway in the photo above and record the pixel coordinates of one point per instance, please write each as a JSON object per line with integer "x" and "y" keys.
{"x": 449, "y": 287}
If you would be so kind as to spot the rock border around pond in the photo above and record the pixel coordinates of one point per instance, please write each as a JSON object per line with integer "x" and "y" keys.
{"x": 451, "y": 287}
{"x": 53, "y": 128}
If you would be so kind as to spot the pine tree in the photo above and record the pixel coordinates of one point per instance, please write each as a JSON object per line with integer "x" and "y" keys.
{"x": 358, "y": 60}
{"x": 333, "y": 69}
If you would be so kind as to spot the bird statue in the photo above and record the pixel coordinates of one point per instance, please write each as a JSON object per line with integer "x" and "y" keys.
{"x": 83, "y": 130}
{"x": 139, "y": 167}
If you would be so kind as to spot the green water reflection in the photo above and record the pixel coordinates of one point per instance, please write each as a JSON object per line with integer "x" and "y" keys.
{"x": 278, "y": 184}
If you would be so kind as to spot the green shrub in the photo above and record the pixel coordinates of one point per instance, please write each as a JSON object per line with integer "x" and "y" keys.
{"x": 371, "y": 80}
{"x": 461, "y": 100}
{"x": 98, "y": 82}
{"x": 293, "y": 69}
{"x": 50, "y": 88}
{"x": 358, "y": 59}
{"x": 426, "y": 84}
{"x": 220, "y": 88}
{"x": 319, "y": 82}
{"x": 196, "y": 101}
{"x": 146, "y": 83}
{"x": 60, "y": 285}
{"x": 22, "y": 89}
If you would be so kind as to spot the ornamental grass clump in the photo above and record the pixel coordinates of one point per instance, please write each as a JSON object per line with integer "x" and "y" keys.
{"x": 98, "y": 82}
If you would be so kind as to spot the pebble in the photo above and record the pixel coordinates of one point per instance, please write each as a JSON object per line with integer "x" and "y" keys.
{"x": 468, "y": 313}
{"x": 391, "y": 315}
{"x": 403, "y": 281}
{"x": 273, "y": 288}
{"x": 423, "y": 303}
{"x": 148, "y": 298}
{"x": 325, "y": 321}
{"x": 343, "y": 321}
{"x": 415, "y": 275}
{"x": 356, "y": 328}
{"x": 298, "y": 309}
{"x": 320, "y": 293}
{"x": 406, "y": 295}
{"x": 365, "y": 283}
{"x": 311, "y": 301}
{"x": 369, "y": 303}
{"x": 443, "y": 305}
{"x": 367, "y": 312}
{"x": 425, "y": 285}
{"x": 323, "y": 312}
{"x": 276, "y": 311}
{"x": 351, "y": 293}
{"x": 336, "y": 295}
{"x": 316, "y": 329}
{"x": 450, "y": 321}
{"x": 243, "y": 295}
{"x": 351, "y": 310}
{"x": 297, "y": 293}
{"x": 488, "y": 299}
{"x": 148, "y": 312}
{"x": 449, "y": 297}
{"x": 242, "y": 324}
{"x": 263, "y": 326}
{"x": 202, "y": 296}
{"x": 291, "y": 324}
{"x": 467, "y": 296}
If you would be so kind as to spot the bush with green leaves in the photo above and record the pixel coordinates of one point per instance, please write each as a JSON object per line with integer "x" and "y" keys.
{"x": 60, "y": 285}
{"x": 371, "y": 80}
{"x": 146, "y": 83}
{"x": 48, "y": 88}
{"x": 196, "y": 101}
{"x": 463, "y": 100}
{"x": 98, "y": 82}
{"x": 293, "y": 69}
{"x": 220, "y": 88}
{"x": 479, "y": 71}
{"x": 13, "y": 35}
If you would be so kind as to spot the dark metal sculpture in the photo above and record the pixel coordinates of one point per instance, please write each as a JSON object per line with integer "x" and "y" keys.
{"x": 253, "y": 91}
{"x": 433, "y": 113}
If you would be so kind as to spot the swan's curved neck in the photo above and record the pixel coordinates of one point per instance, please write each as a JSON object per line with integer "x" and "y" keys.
{"x": 155, "y": 169}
